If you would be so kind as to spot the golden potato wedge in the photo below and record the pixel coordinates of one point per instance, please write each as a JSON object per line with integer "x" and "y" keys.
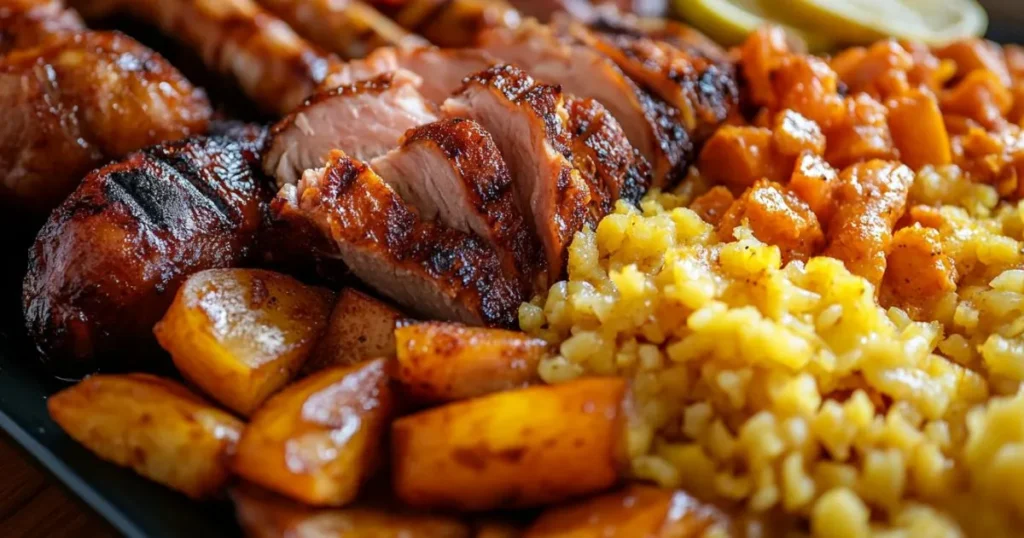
{"x": 320, "y": 438}
{"x": 241, "y": 334}
{"x": 152, "y": 425}
{"x": 360, "y": 328}
{"x": 512, "y": 449}
{"x": 443, "y": 362}
{"x": 635, "y": 511}
{"x": 262, "y": 514}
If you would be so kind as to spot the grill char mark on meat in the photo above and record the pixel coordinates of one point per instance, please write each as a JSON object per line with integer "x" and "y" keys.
{"x": 650, "y": 124}
{"x": 528, "y": 123}
{"x": 434, "y": 271}
{"x": 604, "y": 157}
{"x": 79, "y": 100}
{"x": 452, "y": 171}
{"x": 107, "y": 263}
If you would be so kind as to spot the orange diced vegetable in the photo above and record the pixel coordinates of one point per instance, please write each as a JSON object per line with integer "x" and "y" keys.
{"x": 918, "y": 130}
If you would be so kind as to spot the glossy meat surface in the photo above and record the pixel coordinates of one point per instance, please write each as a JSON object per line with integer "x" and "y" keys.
{"x": 450, "y": 23}
{"x": 452, "y": 171}
{"x": 605, "y": 159}
{"x": 270, "y": 62}
{"x": 75, "y": 102}
{"x": 528, "y": 123}
{"x": 650, "y": 123}
{"x": 351, "y": 29}
{"x": 107, "y": 263}
{"x": 27, "y": 23}
{"x": 432, "y": 270}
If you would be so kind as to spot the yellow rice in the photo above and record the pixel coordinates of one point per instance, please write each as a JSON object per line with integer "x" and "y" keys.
{"x": 788, "y": 390}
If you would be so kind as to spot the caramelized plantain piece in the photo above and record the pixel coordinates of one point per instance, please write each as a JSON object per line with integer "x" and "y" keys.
{"x": 321, "y": 438}
{"x": 635, "y": 511}
{"x": 528, "y": 447}
{"x": 152, "y": 425}
{"x": 443, "y": 362}
{"x": 264, "y": 515}
{"x": 360, "y": 328}
{"x": 241, "y": 334}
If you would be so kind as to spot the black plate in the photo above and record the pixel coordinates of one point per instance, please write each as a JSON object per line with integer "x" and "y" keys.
{"x": 133, "y": 505}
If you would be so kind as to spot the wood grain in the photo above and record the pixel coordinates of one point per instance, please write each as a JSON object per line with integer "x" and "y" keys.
{"x": 33, "y": 505}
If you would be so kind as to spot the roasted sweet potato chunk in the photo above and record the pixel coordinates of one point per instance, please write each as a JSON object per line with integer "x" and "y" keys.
{"x": 319, "y": 439}
{"x": 152, "y": 425}
{"x": 527, "y": 447}
{"x": 262, "y": 514}
{"x": 240, "y": 334}
{"x": 918, "y": 130}
{"x": 441, "y": 362}
{"x": 360, "y": 328}
{"x": 635, "y": 511}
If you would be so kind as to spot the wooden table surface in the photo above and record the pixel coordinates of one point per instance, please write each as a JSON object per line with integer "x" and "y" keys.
{"x": 34, "y": 505}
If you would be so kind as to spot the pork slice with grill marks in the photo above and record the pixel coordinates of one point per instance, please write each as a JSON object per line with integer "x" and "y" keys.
{"x": 432, "y": 270}
{"x": 702, "y": 90}
{"x": 451, "y": 171}
{"x": 648, "y": 121}
{"x": 109, "y": 260}
{"x": 365, "y": 119}
{"x": 528, "y": 122}
{"x": 606, "y": 160}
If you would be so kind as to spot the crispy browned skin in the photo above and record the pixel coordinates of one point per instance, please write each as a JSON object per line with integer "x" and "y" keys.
{"x": 546, "y": 184}
{"x": 351, "y": 29}
{"x": 649, "y": 122}
{"x": 109, "y": 260}
{"x": 613, "y": 169}
{"x": 870, "y": 197}
{"x": 27, "y": 23}
{"x": 702, "y": 91}
{"x": 478, "y": 196}
{"x": 450, "y": 23}
{"x": 78, "y": 101}
{"x": 432, "y": 270}
{"x": 273, "y": 65}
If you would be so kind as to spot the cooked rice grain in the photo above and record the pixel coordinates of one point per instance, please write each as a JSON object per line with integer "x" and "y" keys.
{"x": 789, "y": 389}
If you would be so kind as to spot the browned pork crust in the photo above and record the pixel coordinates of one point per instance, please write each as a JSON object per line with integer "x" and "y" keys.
{"x": 432, "y": 270}
{"x": 451, "y": 170}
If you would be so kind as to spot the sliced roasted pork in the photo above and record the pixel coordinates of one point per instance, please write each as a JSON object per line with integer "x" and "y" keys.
{"x": 432, "y": 270}
{"x": 82, "y": 99}
{"x": 703, "y": 91}
{"x": 273, "y": 65}
{"x": 451, "y": 171}
{"x": 605, "y": 159}
{"x": 648, "y": 122}
{"x": 450, "y": 23}
{"x": 350, "y": 29}
{"x": 365, "y": 119}
{"x": 528, "y": 123}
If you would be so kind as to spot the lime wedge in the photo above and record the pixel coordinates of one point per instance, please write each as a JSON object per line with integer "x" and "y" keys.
{"x": 730, "y": 21}
{"x": 863, "y": 21}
